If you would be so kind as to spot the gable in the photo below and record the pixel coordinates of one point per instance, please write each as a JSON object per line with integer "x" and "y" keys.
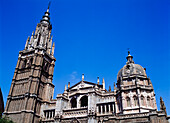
{"x": 83, "y": 84}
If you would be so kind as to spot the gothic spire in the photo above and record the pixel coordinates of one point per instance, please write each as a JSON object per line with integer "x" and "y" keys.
{"x": 46, "y": 17}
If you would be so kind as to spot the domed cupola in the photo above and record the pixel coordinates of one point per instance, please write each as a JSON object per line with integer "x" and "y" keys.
{"x": 134, "y": 89}
{"x": 131, "y": 69}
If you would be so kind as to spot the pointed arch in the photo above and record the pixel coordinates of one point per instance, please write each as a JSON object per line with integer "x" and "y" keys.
{"x": 148, "y": 101}
{"x": 142, "y": 100}
{"x": 128, "y": 102}
{"x": 135, "y": 99}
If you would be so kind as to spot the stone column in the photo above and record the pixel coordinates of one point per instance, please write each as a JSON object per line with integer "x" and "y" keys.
{"x": 52, "y": 115}
{"x": 105, "y": 108}
{"x": 97, "y": 109}
{"x": 113, "y": 107}
{"x": 109, "y": 108}
{"x": 101, "y": 109}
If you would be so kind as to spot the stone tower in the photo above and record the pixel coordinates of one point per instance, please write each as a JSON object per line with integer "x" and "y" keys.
{"x": 32, "y": 81}
{"x": 135, "y": 93}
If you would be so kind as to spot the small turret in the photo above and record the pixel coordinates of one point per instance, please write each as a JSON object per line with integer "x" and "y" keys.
{"x": 65, "y": 89}
{"x": 114, "y": 86}
{"x": 110, "y": 89}
{"x": 98, "y": 80}
{"x": 27, "y": 42}
{"x": 52, "y": 52}
{"x": 103, "y": 83}
{"x": 68, "y": 85}
{"x": 82, "y": 77}
{"x": 162, "y": 105}
{"x": 129, "y": 58}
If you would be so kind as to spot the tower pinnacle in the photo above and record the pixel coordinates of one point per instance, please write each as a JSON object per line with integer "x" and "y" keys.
{"x": 42, "y": 37}
{"x": 46, "y": 17}
{"x": 48, "y": 6}
{"x": 129, "y": 58}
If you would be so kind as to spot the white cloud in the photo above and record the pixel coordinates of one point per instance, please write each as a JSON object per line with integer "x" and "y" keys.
{"x": 73, "y": 77}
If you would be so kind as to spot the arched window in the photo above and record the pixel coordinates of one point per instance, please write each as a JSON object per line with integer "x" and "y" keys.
{"x": 24, "y": 63}
{"x": 30, "y": 62}
{"x": 73, "y": 102}
{"x": 148, "y": 101}
{"x": 142, "y": 100}
{"x": 46, "y": 66}
{"x": 128, "y": 102}
{"x": 135, "y": 101}
{"x": 84, "y": 101}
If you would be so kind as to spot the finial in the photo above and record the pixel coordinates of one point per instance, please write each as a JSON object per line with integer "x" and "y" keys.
{"x": 68, "y": 85}
{"x": 27, "y": 42}
{"x": 36, "y": 29}
{"x": 162, "y": 105}
{"x": 32, "y": 35}
{"x": 128, "y": 52}
{"x": 46, "y": 18}
{"x": 109, "y": 88}
{"x": 31, "y": 41}
{"x": 129, "y": 58}
{"x": 48, "y": 6}
{"x": 49, "y": 45}
{"x": 98, "y": 80}
{"x": 103, "y": 83}
{"x": 65, "y": 89}
{"x": 52, "y": 52}
{"x": 51, "y": 38}
{"x": 82, "y": 77}
{"x": 114, "y": 86}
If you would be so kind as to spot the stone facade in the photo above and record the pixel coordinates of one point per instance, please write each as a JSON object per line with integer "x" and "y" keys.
{"x": 32, "y": 81}
{"x": 30, "y": 99}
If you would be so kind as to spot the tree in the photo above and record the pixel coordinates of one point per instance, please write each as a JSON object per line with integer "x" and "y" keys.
{"x": 5, "y": 120}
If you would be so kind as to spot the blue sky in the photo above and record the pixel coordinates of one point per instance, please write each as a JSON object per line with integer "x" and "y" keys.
{"x": 91, "y": 37}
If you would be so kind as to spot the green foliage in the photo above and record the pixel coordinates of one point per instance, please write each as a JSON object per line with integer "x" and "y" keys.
{"x": 5, "y": 120}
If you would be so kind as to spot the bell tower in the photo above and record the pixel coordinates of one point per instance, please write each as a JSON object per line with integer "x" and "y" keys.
{"x": 32, "y": 81}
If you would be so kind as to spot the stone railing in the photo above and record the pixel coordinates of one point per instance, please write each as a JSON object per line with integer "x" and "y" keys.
{"x": 132, "y": 115}
{"x": 144, "y": 86}
{"x": 134, "y": 86}
{"x": 128, "y": 87}
{"x": 80, "y": 112}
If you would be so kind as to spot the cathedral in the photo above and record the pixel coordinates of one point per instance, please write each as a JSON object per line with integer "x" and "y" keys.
{"x": 30, "y": 98}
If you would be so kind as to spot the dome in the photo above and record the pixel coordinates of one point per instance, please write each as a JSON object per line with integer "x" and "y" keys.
{"x": 131, "y": 69}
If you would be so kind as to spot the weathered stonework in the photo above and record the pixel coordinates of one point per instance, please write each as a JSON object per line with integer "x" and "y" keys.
{"x": 30, "y": 99}
{"x": 32, "y": 82}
